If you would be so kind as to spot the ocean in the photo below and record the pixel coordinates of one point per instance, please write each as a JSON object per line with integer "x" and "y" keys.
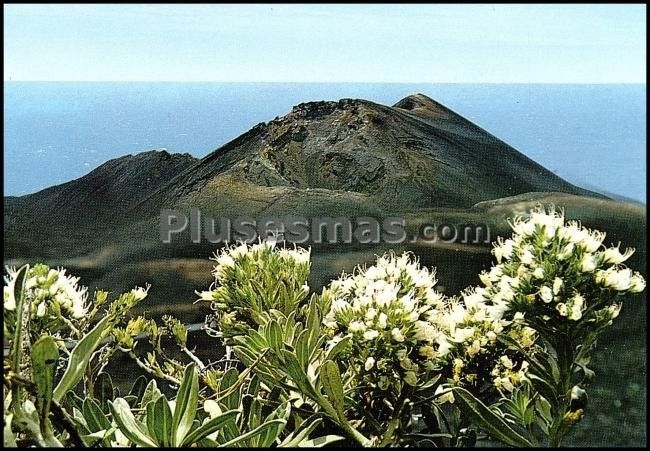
{"x": 591, "y": 135}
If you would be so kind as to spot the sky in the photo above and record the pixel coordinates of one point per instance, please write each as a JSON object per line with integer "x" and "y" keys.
{"x": 326, "y": 43}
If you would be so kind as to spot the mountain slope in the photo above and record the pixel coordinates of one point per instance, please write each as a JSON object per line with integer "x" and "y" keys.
{"x": 415, "y": 154}
{"x": 83, "y": 210}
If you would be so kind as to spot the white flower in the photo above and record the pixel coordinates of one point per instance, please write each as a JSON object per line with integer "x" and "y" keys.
{"x": 357, "y": 326}
{"x": 425, "y": 331}
{"x": 339, "y": 305}
{"x": 397, "y": 335}
{"x": 506, "y": 362}
{"x": 538, "y": 273}
{"x": 474, "y": 299}
{"x": 526, "y": 257}
{"x": 566, "y": 252}
{"x": 427, "y": 351}
{"x": 444, "y": 347}
{"x": 474, "y": 348}
{"x": 522, "y": 227}
{"x": 462, "y": 334}
{"x": 593, "y": 240}
{"x": 433, "y": 298}
{"x": 40, "y": 310}
{"x": 561, "y": 308}
{"x": 370, "y": 362}
{"x": 225, "y": 261}
{"x": 78, "y": 308}
{"x": 503, "y": 249}
{"x": 370, "y": 334}
{"x": 140, "y": 293}
{"x": 637, "y": 283}
{"x": 614, "y": 310}
{"x": 408, "y": 303}
{"x": 485, "y": 278}
{"x": 613, "y": 255}
{"x": 619, "y": 280}
{"x": 577, "y": 302}
{"x": 268, "y": 244}
{"x": 557, "y": 285}
{"x": 299, "y": 256}
{"x": 205, "y": 295}
{"x": 588, "y": 263}
{"x": 495, "y": 273}
{"x": 546, "y": 294}
{"x": 239, "y": 251}
{"x": 550, "y": 222}
{"x": 571, "y": 232}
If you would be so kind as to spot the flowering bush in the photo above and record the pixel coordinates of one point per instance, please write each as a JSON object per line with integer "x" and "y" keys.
{"x": 251, "y": 280}
{"x": 57, "y": 303}
{"x": 379, "y": 358}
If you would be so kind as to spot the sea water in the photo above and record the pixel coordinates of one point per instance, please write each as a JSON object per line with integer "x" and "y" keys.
{"x": 591, "y": 135}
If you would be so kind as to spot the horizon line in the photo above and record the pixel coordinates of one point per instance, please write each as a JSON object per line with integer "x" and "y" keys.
{"x": 344, "y": 82}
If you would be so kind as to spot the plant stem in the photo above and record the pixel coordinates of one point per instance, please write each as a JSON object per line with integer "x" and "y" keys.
{"x": 194, "y": 358}
{"x": 149, "y": 370}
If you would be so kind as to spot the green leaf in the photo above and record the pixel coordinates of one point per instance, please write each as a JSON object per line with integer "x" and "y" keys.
{"x": 337, "y": 348}
{"x": 105, "y": 390}
{"x": 209, "y": 427}
{"x": 22, "y": 315}
{"x": 151, "y": 393}
{"x": 186, "y": 403}
{"x": 274, "y": 335}
{"x": 487, "y": 420}
{"x": 228, "y": 380}
{"x": 296, "y": 373}
{"x": 94, "y": 438}
{"x": 330, "y": 377}
{"x": 45, "y": 356}
{"x": 159, "y": 421}
{"x": 129, "y": 426}
{"x": 95, "y": 418}
{"x": 544, "y": 388}
{"x": 80, "y": 357}
{"x": 267, "y": 438}
{"x": 139, "y": 387}
{"x": 255, "y": 414}
{"x": 274, "y": 426}
{"x": 303, "y": 351}
{"x": 301, "y": 434}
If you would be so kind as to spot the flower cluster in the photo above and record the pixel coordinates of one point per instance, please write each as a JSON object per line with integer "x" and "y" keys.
{"x": 251, "y": 280}
{"x": 55, "y": 299}
{"x": 475, "y": 357}
{"x": 386, "y": 310}
{"x": 559, "y": 271}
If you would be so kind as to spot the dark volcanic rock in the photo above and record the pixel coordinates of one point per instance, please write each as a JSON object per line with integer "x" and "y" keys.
{"x": 417, "y": 154}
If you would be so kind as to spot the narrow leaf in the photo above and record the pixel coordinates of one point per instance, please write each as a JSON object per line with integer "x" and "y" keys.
{"x": 186, "y": 403}
{"x": 333, "y": 387}
{"x": 210, "y": 427}
{"x": 45, "y": 356}
{"x": 80, "y": 357}
{"x": 129, "y": 426}
{"x": 487, "y": 420}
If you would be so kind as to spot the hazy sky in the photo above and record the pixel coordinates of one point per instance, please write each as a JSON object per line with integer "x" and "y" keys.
{"x": 364, "y": 43}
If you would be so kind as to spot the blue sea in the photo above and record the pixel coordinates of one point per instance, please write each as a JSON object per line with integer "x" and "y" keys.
{"x": 592, "y": 135}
